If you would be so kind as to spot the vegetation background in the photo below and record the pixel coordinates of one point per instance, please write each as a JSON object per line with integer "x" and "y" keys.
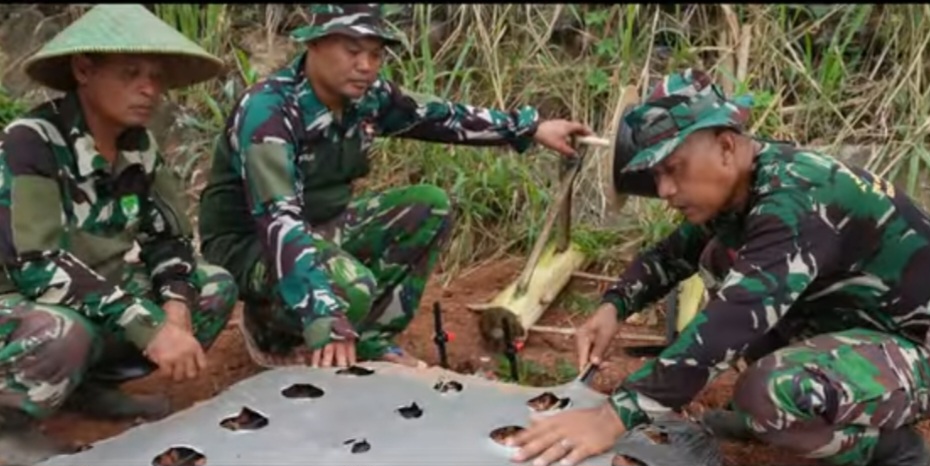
{"x": 852, "y": 79}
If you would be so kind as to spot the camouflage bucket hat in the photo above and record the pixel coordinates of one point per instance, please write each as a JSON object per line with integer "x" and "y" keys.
{"x": 681, "y": 104}
{"x": 352, "y": 19}
{"x": 121, "y": 29}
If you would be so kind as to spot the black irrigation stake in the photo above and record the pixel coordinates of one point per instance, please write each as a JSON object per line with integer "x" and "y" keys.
{"x": 511, "y": 352}
{"x": 441, "y": 337}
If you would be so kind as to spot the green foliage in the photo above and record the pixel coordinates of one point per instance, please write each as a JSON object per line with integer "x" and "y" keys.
{"x": 9, "y": 108}
{"x": 825, "y": 75}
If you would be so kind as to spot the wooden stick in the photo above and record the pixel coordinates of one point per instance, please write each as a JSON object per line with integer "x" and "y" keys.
{"x": 622, "y": 335}
{"x": 593, "y": 141}
{"x": 595, "y": 277}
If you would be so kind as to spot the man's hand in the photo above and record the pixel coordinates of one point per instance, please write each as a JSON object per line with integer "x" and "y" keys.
{"x": 337, "y": 353}
{"x": 179, "y": 314}
{"x": 176, "y": 352}
{"x": 593, "y": 337}
{"x": 571, "y": 437}
{"x": 557, "y": 134}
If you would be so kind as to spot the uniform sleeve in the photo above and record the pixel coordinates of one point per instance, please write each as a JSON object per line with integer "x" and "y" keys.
{"x": 165, "y": 237}
{"x": 32, "y": 234}
{"x": 654, "y": 273}
{"x": 434, "y": 120}
{"x": 264, "y": 150}
{"x": 788, "y": 243}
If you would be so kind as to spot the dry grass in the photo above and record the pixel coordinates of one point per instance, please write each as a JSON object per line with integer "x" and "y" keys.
{"x": 829, "y": 76}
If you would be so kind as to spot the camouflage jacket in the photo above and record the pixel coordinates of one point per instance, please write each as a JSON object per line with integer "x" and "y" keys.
{"x": 820, "y": 247}
{"x": 286, "y": 155}
{"x": 68, "y": 218}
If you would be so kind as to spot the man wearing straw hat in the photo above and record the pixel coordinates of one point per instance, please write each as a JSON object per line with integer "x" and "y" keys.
{"x": 329, "y": 277}
{"x": 817, "y": 276}
{"x": 82, "y": 182}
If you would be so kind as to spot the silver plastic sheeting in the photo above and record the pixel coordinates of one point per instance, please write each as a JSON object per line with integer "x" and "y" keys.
{"x": 360, "y": 413}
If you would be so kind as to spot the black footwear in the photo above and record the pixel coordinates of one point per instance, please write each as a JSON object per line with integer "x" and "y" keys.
{"x": 21, "y": 441}
{"x": 121, "y": 362}
{"x": 106, "y": 401}
{"x": 903, "y": 446}
{"x": 727, "y": 425}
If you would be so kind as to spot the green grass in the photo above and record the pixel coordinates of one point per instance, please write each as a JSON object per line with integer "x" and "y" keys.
{"x": 824, "y": 75}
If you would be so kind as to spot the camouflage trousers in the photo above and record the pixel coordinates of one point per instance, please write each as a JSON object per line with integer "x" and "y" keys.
{"x": 46, "y": 350}
{"x": 378, "y": 254}
{"x": 828, "y": 397}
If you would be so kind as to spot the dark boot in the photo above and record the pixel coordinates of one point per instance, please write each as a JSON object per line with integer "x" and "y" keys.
{"x": 105, "y": 401}
{"x": 901, "y": 447}
{"x": 727, "y": 425}
{"x": 21, "y": 441}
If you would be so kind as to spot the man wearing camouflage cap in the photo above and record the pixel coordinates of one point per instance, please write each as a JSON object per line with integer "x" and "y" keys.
{"x": 817, "y": 277}
{"x": 82, "y": 183}
{"x": 330, "y": 277}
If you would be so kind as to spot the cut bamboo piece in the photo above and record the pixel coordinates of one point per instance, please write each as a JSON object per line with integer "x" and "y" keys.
{"x": 690, "y": 300}
{"x": 521, "y": 311}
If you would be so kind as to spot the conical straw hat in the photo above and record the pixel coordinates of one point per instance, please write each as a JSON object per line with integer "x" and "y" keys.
{"x": 121, "y": 29}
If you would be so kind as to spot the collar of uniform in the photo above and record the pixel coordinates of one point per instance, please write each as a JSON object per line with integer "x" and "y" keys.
{"x": 133, "y": 144}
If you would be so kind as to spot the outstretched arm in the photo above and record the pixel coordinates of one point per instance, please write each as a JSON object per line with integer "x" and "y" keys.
{"x": 786, "y": 248}
{"x": 401, "y": 115}
{"x": 656, "y": 271}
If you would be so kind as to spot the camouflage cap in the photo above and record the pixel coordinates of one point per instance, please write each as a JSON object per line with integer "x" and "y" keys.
{"x": 679, "y": 105}
{"x": 352, "y": 19}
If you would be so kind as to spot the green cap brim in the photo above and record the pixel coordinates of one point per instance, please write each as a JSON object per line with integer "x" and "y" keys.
{"x": 656, "y": 153}
{"x": 124, "y": 29}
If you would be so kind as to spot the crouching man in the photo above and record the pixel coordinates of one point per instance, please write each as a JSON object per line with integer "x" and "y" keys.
{"x": 330, "y": 276}
{"x": 817, "y": 275}
{"x": 82, "y": 183}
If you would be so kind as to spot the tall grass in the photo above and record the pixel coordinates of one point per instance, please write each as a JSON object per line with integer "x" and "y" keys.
{"x": 850, "y": 77}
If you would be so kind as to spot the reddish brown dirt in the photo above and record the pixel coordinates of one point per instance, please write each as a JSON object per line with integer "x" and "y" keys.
{"x": 230, "y": 362}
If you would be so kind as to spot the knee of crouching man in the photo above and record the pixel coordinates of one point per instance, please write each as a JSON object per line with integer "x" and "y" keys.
{"x": 60, "y": 342}
{"x": 758, "y": 394}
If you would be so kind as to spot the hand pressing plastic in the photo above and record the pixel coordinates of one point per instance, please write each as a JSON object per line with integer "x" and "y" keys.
{"x": 335, "y": 354}
{"x": 569, "y": 437}
{"x": 332, "y": 340}
{"x": 176, "y": 352}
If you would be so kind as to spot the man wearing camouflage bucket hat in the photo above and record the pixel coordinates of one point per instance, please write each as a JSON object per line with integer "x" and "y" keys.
{"x": 816, "y": 272}
{"x": 330, "y": 277}
{"x": 83, "y": 184}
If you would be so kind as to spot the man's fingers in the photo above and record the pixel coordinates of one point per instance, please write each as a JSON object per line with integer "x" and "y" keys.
{"x": 201, "y": 359}
{"x": 190, "y": 367}
{"x": 583, "y": 341}
{"x": 601, "y": 342}
{"x": 342, "y": 355}
{"x": 541, "y": 443}
{"x": 352, "y": 356}
{"x": 577, "y": 454}
{"x": 581, "y": 128}
{"x": 328, "y": 351}
{"x": 555, "y": 452}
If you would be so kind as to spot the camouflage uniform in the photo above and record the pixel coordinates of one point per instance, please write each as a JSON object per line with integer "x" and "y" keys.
{"x": 313, "y": 262}
{"x": 66, "y": 224}
{"x": 820, "y": 282}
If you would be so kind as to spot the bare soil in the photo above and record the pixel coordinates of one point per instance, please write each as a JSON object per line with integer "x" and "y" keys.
{"x": 230, "y": 363}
